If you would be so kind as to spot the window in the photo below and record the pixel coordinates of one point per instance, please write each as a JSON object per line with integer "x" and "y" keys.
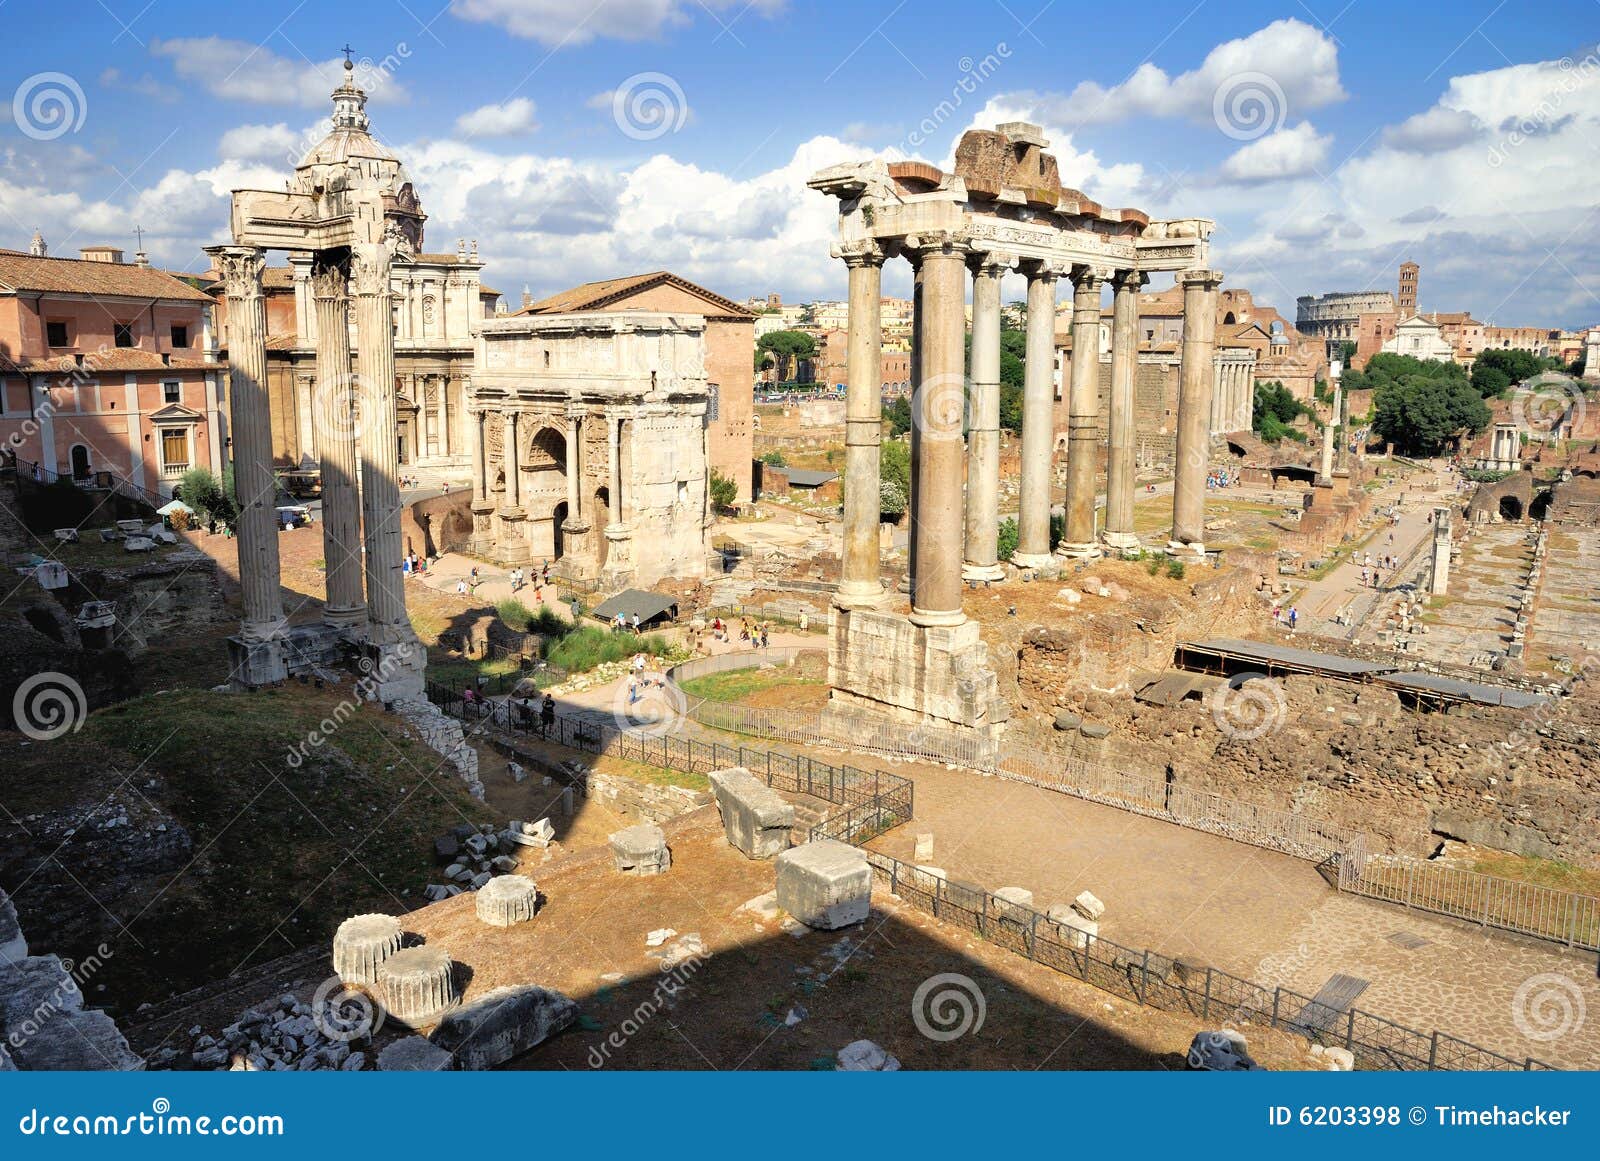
{"x": 123, "y": 334}
{"x": 55, "y": 334}
{"x": 174, "y": 451}
{"x": 171, "y": 393}
{"x": 180, "y": 335}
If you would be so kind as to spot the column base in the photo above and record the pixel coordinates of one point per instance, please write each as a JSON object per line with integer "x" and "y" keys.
{"x": 394, "y": 669}
{"x": 937, "y": 618}
{"x": 884, "y": 662}
{"x": 984, "y": 573}
{"x": 1179, "y": 547}
{"x": 1121, "y": 541}
{"x": 865, "y": 597}
{"x": 253, "y": 663}
{"x": 1032, "y": 559}
{"x": 1085, "y": 551}
{"x": 350, "y": 618}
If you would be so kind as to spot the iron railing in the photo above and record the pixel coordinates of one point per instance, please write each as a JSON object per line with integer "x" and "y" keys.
{"x": 1507, "y": 904}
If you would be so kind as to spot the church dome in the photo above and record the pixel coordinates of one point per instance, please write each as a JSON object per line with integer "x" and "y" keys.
{"x": 350, "y": 142}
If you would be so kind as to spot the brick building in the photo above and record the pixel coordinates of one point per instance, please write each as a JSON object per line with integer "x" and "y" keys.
{"x": 107, "y": 370}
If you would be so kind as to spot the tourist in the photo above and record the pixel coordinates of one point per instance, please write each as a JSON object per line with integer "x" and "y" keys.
{"x": 547, "y": 714}
{"x": 620, "y": 624}
{"x": 474, "y": 578}
{"x": 633, "y": 688}
{"x": 405, "y": 566}
{"x": 461, "y": 587}
{"x": 525, "y": 713}
{"x": 1294, "y": 618}
{"x": 765, "y": 627}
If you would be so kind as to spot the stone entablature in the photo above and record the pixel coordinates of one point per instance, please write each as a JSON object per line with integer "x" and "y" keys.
{"x": 591, "y": 444}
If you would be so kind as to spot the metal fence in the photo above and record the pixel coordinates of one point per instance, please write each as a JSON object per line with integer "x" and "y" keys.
{"x": 1154, "y": 980}
{"x": 1525, "y": 908}
{"x": 876, "y": 801}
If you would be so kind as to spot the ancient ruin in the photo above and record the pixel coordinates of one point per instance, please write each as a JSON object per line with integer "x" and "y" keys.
{"x": 1003, "y": 208}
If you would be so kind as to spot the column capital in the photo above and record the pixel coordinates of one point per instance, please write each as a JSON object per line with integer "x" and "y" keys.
{"x": 1045, "y": 270}
{"x": 864, "y": 253}
{"x": 241, "y": 268}
{"x": 1091, "y": 277}
{"x": 937, "y": 243}
{"x": 992, "y": 263}
{"x": 1207, "y": 279}
{"x": 330, "y": 273}
{"x": 1129, "y": 280}
{"x": 371, "y": 265}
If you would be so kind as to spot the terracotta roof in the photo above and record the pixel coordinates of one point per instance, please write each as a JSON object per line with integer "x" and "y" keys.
{"x": 23, "y": 272}
{"x": 115, "y": 359}
{"x": 1455, "y": 318}
{"x": 609, "y": 292}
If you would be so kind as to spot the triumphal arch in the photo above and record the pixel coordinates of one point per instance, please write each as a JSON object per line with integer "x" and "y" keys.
{"x": 1002, "y": 209}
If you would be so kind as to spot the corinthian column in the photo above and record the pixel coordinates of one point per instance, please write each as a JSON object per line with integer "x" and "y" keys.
{"x": 614, "y": 453}
{"x": 863, "y": 431}
{"x": 257, "y": 526}
{"x": 574, "y": 502}
{"x": 370, "y": 267}
{"x": 937, "y": 414}
{"x": 1083, "y": 412}
{"x": 335, "y": 429}
{"x": 1124, "y": 367}
{"x": 480, "y": 482}
{"x": 513, "y": 466}
{"x": 1194, "y": 408}
{"x": 983, "y": 432}
{"x": 1038, "y": 420}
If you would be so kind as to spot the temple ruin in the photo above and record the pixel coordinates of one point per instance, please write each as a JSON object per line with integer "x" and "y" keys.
{"x": 1002, "y": 209}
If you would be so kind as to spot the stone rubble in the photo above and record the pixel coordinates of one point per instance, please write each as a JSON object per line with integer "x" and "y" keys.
{"x": 1224, "y": 1051}
{"x": 865, "y": 1056}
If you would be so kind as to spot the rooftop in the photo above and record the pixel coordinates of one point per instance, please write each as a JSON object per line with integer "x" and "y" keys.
{"x": 23, "y": 273}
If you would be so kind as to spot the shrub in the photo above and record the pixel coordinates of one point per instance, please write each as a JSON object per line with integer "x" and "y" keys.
{"x": 1006, "y": 538}
{"x": 1175, "y": 568}
{"x": 724, "y": 492}
{"x": 585, "y": 647}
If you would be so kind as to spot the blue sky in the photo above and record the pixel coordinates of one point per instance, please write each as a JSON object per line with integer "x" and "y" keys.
{"x": 1464, "y": 136}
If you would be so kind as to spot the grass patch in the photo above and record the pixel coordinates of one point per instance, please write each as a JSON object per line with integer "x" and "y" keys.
{"x": 1542, "y": 872}
{"x": 586, "y": 647}
{"x": 458, "y": 672}
{"x": 278, "y": 852}
{"x": 737, "y": 685}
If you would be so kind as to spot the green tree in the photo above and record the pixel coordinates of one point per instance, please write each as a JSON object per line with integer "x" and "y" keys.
{"x": 1497, "y": 370}
{"x": 1006, "y": 538}
{"x": 1421, "y": 412}
{"x": 894, "y": 464}
{"x": 775, "y": 458}
{"x": 724, "y": 492}
{"x": 1347, "y": 352}
{"x": 210, "y": 497}
{"x": 1274, "y": 410}
{"x": 898, "y": 413}
{"x": 787, "y": 348}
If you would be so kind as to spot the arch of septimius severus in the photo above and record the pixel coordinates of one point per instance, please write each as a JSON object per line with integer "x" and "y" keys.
{"x": 352, "y": 208}
{"x": 1003, "y": 209}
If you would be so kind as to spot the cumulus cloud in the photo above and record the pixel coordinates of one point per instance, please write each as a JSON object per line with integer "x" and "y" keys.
{"x": 563, "y": 23}
{"x": 238, "y": 70}
{"x": 1300, "y": 62}
{"x": 1437, "y": 129}
{"x": 508, "y": 119}
{"x": 1288, "y": 153}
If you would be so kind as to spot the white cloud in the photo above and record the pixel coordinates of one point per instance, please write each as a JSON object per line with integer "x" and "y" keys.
{"x": 1436, "y": 129}
{"x": 510, "y": 119}
{"x": 238, "y": 70}
{"x": 562, "y": 23}
{"x": 143, "y": 85}
{"x": 1300, "y": 62}
{"x": 259, "y": 142}
{"x": 1287, "y": 153}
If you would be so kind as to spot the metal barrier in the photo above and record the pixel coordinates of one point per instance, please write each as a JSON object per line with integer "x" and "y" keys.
{"x": 1525, "y": 908}
{"x": 1154, "y": 980}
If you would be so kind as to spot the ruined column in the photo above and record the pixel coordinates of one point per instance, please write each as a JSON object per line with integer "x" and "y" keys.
{"x": 1194, "y": 409}
{"x": 1328, "y": 435}
{"x": 1038, "y": 420}
{"x": 1083, "y": 409}
{"x": 387, "y": 623}
{"x": 1119, "y": 532}
{"x": 480, "y": 480}
{"x": 335, "y": 428}
{"x": 258, "y": 657}
{"x": 574, "y": 502}
{"x": 863, "y": 431}
{"x": 513, "y": 468}
{"x": 1439, "y": 575}
{"x": 614, "y": 450}
{"x": 937, "y": 414}
{"x": 983, "y": 432}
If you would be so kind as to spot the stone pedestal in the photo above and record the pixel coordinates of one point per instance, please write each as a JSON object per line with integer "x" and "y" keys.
{"x": 755, "y": 817}
{"x": 255, "y": 663}
{"x": 936, "y": 673}
{"x": 361, "y": 945}
{"x": 825, "y": 884}
{"x": 640, "y": 850}
{"x": 418, "y": 985}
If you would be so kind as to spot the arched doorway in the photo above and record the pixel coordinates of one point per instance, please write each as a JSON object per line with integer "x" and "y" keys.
{"x": 1228, "y": 319}
{"x": 1510, "y": 508}
{"x": 80, "y": 462}
{"x": 558, "y": 518}
{"x": 1540, "y": 508}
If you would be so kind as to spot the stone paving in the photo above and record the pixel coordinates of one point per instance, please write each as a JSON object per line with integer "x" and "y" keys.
{"x": 1566, "y": 617}
{"x": 1474, "y": 623}
{"x": 1254, "y": 913}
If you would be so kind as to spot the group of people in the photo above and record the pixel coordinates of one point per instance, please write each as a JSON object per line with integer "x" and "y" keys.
{"x": 411, "y": 564}
{"x": 642, "y": 673}
{"x": 546, "y": 717}
{"x": 622, "y": 624}
{"x": 541, "y": 580}
{"x": 755, "y": 633}
{"x": 1289, "y": 616}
